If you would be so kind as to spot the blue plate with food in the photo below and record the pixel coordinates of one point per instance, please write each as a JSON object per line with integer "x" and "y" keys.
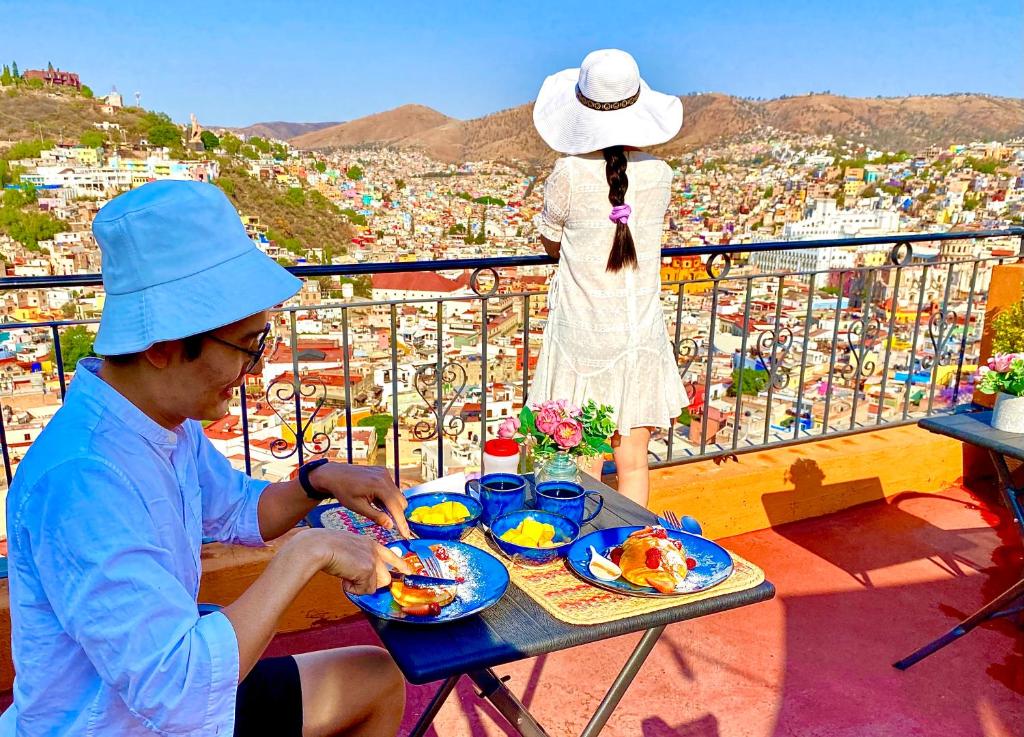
{"x": 649, "y": 561}
{"x": 482, "y": 581}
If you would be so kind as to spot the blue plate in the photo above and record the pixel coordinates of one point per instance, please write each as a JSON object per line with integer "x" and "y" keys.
{"x": 714, "y": 564}
{"x": 486, "y": 582}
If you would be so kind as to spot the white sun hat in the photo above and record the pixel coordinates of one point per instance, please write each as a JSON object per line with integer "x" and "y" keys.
{"x": 176, "y": 262}
{"x": 604, "y": 103}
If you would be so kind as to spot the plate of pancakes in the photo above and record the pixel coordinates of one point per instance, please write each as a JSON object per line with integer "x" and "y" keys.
{"x": 482, "y": 581}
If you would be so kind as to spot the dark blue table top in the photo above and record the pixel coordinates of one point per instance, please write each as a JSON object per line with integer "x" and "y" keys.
{"x": 517, "y": 627}
{"x": 976, "y": 428}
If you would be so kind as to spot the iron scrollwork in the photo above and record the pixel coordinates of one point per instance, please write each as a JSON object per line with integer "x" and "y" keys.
{"x": 686, "y": 354}
{"x": 861, "y": 338}
{"x": 726, "y": 266}
{"x": 940, "y": 329}
{"x": 282, "y": 391}
{"x": 474, "y": 282}
{"x": 772, "y": 348}
{"x": 453, "y": 385}
{"x": 901, "y": 254}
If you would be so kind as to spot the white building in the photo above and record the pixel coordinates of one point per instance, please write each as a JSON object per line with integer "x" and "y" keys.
{"x": 825, "y": 221}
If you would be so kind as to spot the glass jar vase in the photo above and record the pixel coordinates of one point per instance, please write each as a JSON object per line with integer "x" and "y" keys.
{"x": 558, "y": 466}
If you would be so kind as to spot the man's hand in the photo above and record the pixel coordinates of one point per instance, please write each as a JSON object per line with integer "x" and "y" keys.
{"x": 367, "y": 490}
{"x": 359, "y": 561}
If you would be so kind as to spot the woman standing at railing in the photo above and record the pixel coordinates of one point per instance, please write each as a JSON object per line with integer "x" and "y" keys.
{"x": 603, "y": 217}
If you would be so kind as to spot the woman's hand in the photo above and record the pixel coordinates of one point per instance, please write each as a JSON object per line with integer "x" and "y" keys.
{"x": 367, "y": 490}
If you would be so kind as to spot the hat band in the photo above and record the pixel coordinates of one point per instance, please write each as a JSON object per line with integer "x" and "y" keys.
{"x": 595, "y": 105}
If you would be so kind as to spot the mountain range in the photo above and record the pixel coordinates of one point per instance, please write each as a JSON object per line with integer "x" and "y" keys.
{"x": 278, "y": 129}
{"x": 910, "y": 123}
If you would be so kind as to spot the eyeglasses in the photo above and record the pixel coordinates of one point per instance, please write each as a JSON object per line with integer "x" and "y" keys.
{"x": 254, "y": 355}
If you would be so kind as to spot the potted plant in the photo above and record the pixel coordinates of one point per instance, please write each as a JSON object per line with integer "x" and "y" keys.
{"x": 559, "y": 434}
{"x": 1004, "y": 376}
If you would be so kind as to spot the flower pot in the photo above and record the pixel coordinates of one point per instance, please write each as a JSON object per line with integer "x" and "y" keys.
{"x": 1008, "y": 414}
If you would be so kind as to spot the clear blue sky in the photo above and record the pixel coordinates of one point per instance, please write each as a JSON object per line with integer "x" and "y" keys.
{"x": 234, "y": 63}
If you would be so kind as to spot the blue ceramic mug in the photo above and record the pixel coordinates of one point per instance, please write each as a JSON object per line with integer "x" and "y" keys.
{"x": 566, "y": 498}
{"x": 498, "y": 493}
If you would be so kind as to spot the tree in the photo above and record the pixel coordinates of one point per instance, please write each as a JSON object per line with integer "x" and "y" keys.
{"x": 320, "y": 166}
{"x": 294, "y": 196}
{"x": 751, "y": 381}
{"x": 164, "y": 134}
{"x": 14, "y": 71}
{"x": 231, "y": 143}
{"x": 354, "y": 172}
{"x": 210, "y": 140}
{"x": 260, "y": 144}
{"x": 87, "y": 92}
{"x": 5, "y": 77}
{"x": 35, "y": 83}
{"x": 399, "y": 184}
{"x": 382, "y": 423}
{"x": 93, "y": 139}
{"x": 75, "y": 344}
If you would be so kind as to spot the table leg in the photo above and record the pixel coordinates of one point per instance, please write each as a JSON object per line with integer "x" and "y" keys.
{"x": 1011, "y": 495}
{"x": 622, "y": 681}
{"x": 427, "y": 718}
{"x": 987, "y": 612}
{"x": 494, "y": 690}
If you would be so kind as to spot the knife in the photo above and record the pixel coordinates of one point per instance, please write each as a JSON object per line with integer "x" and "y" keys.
{"x": 420, "y": 581}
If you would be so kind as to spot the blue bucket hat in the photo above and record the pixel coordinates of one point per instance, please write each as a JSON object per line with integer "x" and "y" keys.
{"x": 177, "y": 262}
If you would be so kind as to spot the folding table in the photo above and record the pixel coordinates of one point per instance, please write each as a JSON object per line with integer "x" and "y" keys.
{"x": 517, "y": 627}
{"x": 975, "y": 428}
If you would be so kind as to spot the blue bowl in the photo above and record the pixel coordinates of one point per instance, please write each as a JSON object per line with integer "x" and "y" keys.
{"x": 566, "y": 531}
{"x": 443, "y": 532}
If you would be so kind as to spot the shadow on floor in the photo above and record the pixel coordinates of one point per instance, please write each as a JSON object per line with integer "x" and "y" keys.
{"x": 896, "y": 536}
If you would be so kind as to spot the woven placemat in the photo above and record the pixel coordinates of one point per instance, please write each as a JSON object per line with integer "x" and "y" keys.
{"x": 560, "y": 592}
{"x": 568, "y": 598}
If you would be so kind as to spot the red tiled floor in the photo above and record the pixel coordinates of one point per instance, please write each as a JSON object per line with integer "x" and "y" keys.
{"x": 856, "y": 591}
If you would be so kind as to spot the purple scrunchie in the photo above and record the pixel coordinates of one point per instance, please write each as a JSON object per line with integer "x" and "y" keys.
{"x": 620, "y": 214}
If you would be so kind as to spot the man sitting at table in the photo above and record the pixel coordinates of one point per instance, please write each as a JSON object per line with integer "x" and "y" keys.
{"x": 108, "y": 510}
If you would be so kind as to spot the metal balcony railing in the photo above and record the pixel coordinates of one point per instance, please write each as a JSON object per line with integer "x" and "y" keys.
{"x": 770, "y": 357}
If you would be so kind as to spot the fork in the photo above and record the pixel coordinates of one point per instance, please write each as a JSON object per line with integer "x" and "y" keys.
{"x": 687, "y": 524}
{"x": 431, "y": 565}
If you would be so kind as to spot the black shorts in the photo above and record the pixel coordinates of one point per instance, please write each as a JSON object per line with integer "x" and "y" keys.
{"x": 269, "y": 700}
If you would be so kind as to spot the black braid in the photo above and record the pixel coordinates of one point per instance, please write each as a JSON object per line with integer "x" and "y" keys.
{"x": 623, "y": 250}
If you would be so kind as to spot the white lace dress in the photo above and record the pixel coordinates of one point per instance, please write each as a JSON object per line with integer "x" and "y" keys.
{"x": 606, "y": 337}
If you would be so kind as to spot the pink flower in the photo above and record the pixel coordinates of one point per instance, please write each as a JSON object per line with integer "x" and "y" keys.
{"x": 1001, "y": 362}
{"x": 508, "y": 428}
{"x": 547, "y": 419}
{"x": 568, "y": 434}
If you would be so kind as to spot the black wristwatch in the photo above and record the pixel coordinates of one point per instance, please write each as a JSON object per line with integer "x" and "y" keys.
{"x": 307, "y": 486}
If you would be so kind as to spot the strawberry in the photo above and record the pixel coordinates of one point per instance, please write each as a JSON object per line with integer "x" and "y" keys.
{"x": 440, "y": 553}
{"x": 691, "y": 564}
{"x": 423, "y": 610}
{"x": 460, "y": 579}
{"x": 616, "y": 555}
{"x": 659, "y": 533}
{"x": 653, "y": 558}
{"x": 678, "y": 544}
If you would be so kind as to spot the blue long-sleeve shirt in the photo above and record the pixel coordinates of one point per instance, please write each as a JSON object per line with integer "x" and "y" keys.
{"x": 105, "y": 520}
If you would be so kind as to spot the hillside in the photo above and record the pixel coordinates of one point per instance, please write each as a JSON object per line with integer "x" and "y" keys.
{"x": 26, "y": 113}
{"x": 908, "y": 123}
{"x": 389, "y": 127}
{"x": 296, "y": 219}
{"x": 278, "y": 129}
